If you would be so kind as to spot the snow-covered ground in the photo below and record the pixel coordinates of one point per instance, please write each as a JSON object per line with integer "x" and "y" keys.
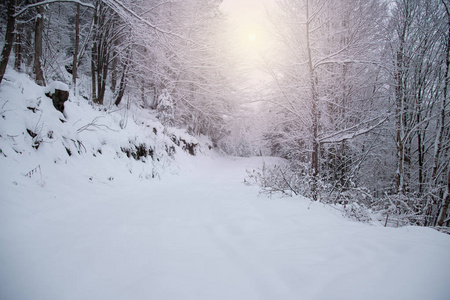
{"x": 96, "y": 225}
{"x": 203, "y": 234}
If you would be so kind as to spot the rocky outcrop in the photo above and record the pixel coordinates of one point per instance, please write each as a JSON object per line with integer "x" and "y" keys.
{"x": 59, "y": 93}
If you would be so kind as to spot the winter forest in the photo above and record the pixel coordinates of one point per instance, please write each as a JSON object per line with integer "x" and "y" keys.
{"x": 341, "y": 102}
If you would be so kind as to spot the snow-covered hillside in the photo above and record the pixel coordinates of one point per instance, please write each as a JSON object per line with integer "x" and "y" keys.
{"x": 97, "y": 224}
{"x": 37, "y": 140}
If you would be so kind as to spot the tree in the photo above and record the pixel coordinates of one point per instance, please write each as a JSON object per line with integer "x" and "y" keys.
{"x": 76, "y": 48}
{"x": 445, "y": 203}
{"x": 38, "y": 50}
{"x": 329, "y": 83}
{"x": 418, "y": 40}
{"x": 194, "y": 68}
{"x": 351, "y": 114}
{"x": 9, "y": 38}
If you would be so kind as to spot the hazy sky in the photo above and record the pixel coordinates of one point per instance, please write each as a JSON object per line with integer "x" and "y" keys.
{"x": 246, "y": 9}
{"x": 247, "y": 15}
{"x": 248, "y": 34}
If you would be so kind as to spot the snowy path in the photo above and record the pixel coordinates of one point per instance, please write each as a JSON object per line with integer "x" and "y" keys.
{"x": 204, "y": 235}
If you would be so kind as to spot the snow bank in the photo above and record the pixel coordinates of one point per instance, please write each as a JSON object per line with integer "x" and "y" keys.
{"x": 56, "y": 85}
{"x": 33, "y": 133}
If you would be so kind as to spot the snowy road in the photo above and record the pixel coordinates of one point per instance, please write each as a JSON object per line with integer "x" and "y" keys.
{"x": 203, "y": 234}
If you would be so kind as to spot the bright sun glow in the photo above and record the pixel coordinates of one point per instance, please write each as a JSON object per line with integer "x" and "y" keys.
{"x": 249, "y": 37}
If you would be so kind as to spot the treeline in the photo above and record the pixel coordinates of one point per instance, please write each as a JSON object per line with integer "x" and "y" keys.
{"x": 111, "y": 51}
{"x": 357, "y": 102}
{"x": 359, "y": 106}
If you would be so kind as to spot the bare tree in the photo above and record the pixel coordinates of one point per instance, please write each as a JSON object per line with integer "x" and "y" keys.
{"x": 333, "y": 42}
{"x": 38, "y": 50}
{"x": 9, "y": 37}
{"x": 75, "y": 52}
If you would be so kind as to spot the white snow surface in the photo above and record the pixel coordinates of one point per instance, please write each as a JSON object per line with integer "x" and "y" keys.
{"x": 202, "y": 234}
{"x": 94, "y": 227}
{"x": 56, "y": 85}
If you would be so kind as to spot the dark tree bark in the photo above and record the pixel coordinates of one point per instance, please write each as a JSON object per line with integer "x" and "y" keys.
{"x": 18, "y": 49}
{"x": 102, "y": 49}
{"x": 102, "y": 81}
{"x": 94, "y": 56}
{"x": 75, "y": 52}
{"x": 143, "y": 92}
{"x": 114, "y": 72}
{"x": 123, "y": 79}
{"x": 9, "y": 38}
{"x": 38, "y": 35}
{"x": 122, "y": 87}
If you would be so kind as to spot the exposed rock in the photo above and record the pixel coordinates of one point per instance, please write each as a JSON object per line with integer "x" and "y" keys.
{"x": 190, "y": 147}
{"x": 138, "y": 151}
{"x": 59, "y": 93}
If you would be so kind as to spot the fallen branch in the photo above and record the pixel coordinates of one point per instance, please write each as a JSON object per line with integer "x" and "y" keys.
{"x": 92, "y": 126}
{"x": 34, "y": 171}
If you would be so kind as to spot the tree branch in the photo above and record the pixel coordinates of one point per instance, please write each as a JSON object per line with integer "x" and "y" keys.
{"x": 344, "y": 134}
{"x": 23, "y": 10}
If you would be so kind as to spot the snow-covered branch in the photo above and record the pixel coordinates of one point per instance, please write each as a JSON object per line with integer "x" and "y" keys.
{"x": 348, "y": 133}
{"x": 124, "y": 11}
{"x": 23, "y": 10}
{"x": 154, "y": 7}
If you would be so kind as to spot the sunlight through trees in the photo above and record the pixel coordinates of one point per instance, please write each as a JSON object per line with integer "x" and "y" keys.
{"x": 353, "y": 94}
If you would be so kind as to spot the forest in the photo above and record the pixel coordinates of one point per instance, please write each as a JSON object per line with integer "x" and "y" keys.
{"x": 354, "y": 93}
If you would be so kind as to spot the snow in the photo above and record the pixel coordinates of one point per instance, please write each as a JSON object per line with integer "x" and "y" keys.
{"x": 56, "y": 85}
{"x": 46, "y": 2}
{"x": 202, "y": 234}
{"x": 96, "y": 227}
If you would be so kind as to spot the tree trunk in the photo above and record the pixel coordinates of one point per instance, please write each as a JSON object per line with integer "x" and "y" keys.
{"x": 38, "y": 35}
{"x": 445, "y": 203}
{"x": 9, "y": 38}
{"x": 102, "y": 55}
{"x": 104, "y": 75}
{"x": 144, "y": 101}
{"x": 314, "y": 110}
{"x": 99, "y": 70}
{"x": 438, "y": 142}
{"x": 18, "y": 49}
{"x": 94, "y": 56}
{"x": 114, "y": 71}
{"x": 399, "y": 115}
{"x": 123, "y": 79}
{"x": 441, "y": 120}
{"x": 93, "y": 81}
{"x": 75, "y": 52}
{"x": 420, "y": 154}
{"x": 122, "y": 86}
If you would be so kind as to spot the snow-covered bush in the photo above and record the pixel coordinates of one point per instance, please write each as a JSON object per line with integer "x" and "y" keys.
{"x": 356, "y": 203}
{"x": 165, "y": 111}
{"x": 288, "y": 180}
